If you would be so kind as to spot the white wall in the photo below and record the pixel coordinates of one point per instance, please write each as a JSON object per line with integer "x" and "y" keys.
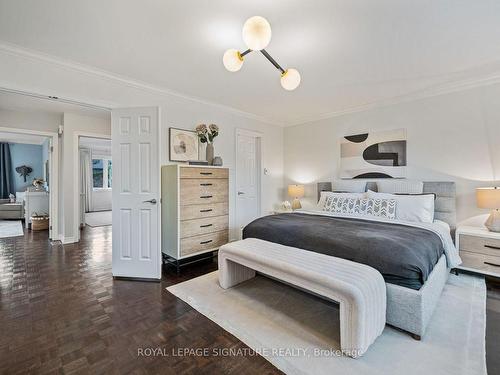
{"x": 453, "y": 137}
{"x": 49, "y": 77}
{"x": 102, "y": 200}
{"x": 40, "y": 121}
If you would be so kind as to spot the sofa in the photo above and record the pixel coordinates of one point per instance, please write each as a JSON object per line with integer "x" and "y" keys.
{"x": 11, "y": 210}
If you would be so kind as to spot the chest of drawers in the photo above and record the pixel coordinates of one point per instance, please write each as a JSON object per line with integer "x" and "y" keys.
{"x": 479, "y": 249}
{"x": 195, "y": 209}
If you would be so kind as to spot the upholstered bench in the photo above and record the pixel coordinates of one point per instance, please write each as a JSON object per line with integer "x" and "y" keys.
{"x": 359, "y": 289}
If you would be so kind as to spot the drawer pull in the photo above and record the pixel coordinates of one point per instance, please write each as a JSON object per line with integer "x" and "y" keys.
{"x": 492, "y": 264}
{"x": 206, "y": 196}
{"x": 206, "y": 184}
{"x": 492, "y": 247}
{"x": 207, "y": 210}
{"x": 206, "y": 173}
{"x": 206, "y": 225}
{"x": 205, "y": 242}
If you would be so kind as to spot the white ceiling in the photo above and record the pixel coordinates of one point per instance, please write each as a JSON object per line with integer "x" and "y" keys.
{"x": 349, "y": 52}
{"x": 21, "y": 138}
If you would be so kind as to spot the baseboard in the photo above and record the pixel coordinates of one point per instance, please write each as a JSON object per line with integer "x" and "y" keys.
{"x": 67, "y": 240}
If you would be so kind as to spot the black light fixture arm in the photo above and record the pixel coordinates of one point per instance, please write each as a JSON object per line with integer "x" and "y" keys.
{"x": 268, "y": 56}
{"x": 273, "y": 61}
{"x": 245, "y": 53}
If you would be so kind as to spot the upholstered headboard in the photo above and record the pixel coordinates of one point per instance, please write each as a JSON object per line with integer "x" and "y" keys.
{"x": 444, "y": 206}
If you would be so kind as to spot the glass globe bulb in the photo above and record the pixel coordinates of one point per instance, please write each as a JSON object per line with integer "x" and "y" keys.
{"x": 256, "y": 33}
{"x": 290, "y": 80}
{"x": 232, "y": 60}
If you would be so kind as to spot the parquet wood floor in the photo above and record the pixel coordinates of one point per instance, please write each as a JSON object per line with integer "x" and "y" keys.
{"x": 61, "y": 312}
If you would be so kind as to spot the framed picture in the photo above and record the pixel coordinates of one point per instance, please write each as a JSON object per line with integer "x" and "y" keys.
{"x": 374, "y": 155}
{"x": 183, "y": 145}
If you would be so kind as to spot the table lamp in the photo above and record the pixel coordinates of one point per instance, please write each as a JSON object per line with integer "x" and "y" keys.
{"x": 490, "y": 198}
{"x": 296, "y": 191}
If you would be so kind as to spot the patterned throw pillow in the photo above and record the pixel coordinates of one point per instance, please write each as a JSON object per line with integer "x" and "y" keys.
{"x": 384, "y": 208}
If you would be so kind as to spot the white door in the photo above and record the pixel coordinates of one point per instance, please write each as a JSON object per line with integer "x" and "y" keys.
{"x": 247, "y": 177}
{"x": 136, "y": 193}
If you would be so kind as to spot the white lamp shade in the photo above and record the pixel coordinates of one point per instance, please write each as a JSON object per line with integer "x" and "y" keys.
{"x": 296, "y": 191}
{"x": 256, "y": 33}
{"x": 290, "y": 80}
{"x": 232, "y": 60}
{"x": 488, "y": 198}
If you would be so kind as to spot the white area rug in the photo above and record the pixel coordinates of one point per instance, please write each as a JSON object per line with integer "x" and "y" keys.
{"x": 98, "y": 219}
{"x": 11, "y": 228}
{"x": 271, "y": 318}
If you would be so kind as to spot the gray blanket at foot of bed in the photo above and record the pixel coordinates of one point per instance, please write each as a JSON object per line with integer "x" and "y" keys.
{"x": 404, "y": 255}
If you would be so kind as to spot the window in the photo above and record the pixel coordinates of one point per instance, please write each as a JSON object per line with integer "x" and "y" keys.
{"x": 102, "y": 173}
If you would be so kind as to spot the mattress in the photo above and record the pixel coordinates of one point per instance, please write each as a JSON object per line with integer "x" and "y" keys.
{"x": 403, "y": 254}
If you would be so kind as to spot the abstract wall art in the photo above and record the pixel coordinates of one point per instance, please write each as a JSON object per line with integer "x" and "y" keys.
{"x": 374, "y": 155}
{"x": 183, "y": 145}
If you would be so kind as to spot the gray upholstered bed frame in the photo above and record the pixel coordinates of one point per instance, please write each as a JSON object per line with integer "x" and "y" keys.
{"x": 409, "y": 309}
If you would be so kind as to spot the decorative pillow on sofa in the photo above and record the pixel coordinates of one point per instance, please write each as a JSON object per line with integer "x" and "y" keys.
{"x": 383, "y": 208}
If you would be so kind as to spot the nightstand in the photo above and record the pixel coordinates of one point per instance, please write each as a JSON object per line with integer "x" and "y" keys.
{"x": 479, "y": 249}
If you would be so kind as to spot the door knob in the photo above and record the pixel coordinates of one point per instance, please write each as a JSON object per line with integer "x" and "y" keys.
{"x": 153, "y": 201}
{"x": 240, "y": 193}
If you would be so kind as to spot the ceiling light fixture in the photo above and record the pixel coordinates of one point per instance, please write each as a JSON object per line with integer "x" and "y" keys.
{"x": 257, "y": 35}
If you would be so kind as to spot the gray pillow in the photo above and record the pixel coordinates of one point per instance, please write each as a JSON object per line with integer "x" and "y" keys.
{"x": 349, "y": 186}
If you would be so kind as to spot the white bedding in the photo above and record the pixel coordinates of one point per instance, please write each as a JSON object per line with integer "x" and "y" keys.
{"x": 439, "y": 227}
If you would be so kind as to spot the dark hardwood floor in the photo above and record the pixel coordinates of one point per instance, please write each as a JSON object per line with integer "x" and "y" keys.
{"x": 62, "y": 312}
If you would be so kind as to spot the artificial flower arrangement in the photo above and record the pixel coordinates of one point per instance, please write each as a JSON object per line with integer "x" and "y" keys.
{"x": 207, "y": 134}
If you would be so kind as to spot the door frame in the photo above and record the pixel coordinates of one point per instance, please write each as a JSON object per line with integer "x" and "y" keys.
{"x": 54, "y": 234}
{"x": 259, "y": 136}
{"x": 76, "y": 176}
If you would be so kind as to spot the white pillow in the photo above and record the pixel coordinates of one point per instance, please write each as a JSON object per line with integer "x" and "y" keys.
{"x": 416, "y": 208}
{"x": 383, "y": 208}
{"x": 349, "y": 186}
{"x": 400, "y": 186}
{"x": 325, "y": 194}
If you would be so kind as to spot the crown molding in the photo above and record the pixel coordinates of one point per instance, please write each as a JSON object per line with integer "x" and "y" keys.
{"x": 428, "y": 92}
{"x": 19, "y": 51}
{"x": 451, "y": 86}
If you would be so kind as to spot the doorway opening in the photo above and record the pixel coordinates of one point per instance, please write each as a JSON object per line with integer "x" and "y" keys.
{"x": 95, "y": 181}
{"x": 28, "y": 185}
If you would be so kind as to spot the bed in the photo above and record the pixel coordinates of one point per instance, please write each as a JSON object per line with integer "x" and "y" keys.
{"x": 414, "y": 258}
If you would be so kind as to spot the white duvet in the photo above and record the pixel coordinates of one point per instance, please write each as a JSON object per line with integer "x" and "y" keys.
{"x": 441, "y": 228}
